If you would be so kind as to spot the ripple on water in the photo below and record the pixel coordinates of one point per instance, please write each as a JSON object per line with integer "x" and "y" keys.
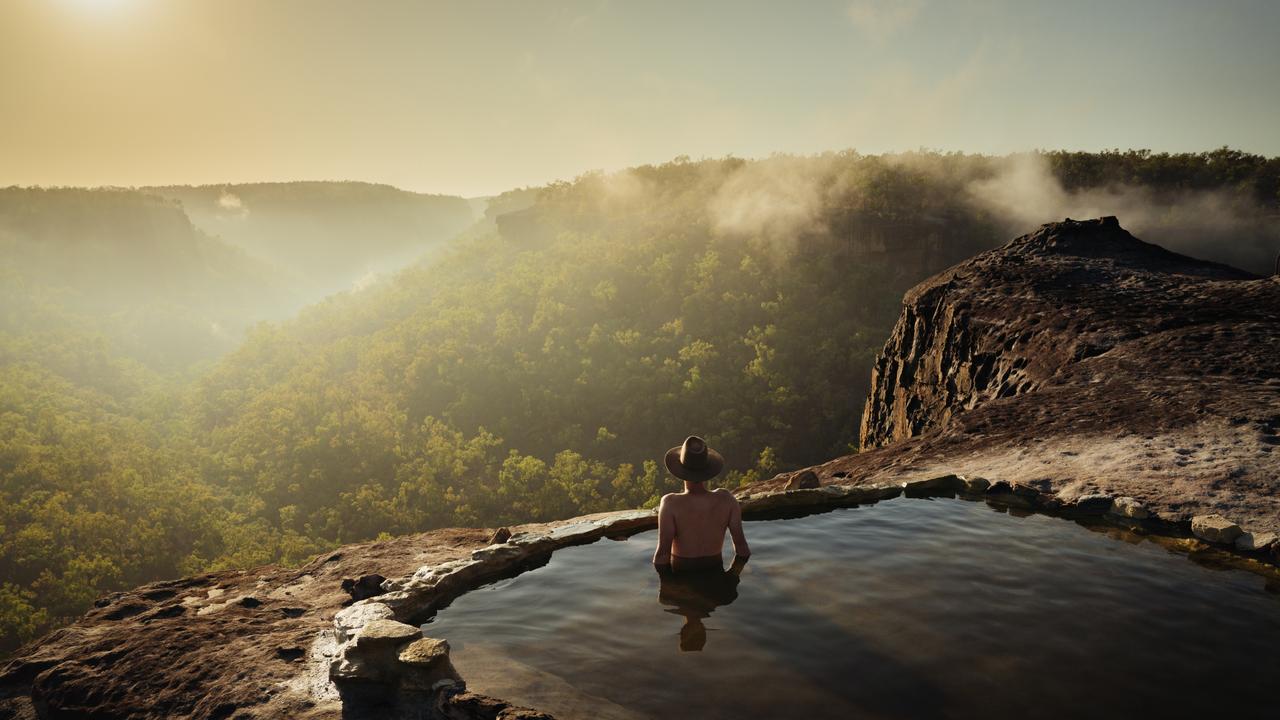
{"x": 905, "y": 609}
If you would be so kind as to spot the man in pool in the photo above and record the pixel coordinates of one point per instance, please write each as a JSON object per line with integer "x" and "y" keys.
{"x": 691, "y": 524}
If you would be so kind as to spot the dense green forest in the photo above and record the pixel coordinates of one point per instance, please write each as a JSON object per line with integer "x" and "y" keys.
{"x": 534, "y": 369}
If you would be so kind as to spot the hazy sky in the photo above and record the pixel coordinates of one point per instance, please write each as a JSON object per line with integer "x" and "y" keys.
{"x": 475, "y": 97}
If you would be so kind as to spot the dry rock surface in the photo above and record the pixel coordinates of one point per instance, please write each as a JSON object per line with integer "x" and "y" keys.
{"x": 1075, "y": 370}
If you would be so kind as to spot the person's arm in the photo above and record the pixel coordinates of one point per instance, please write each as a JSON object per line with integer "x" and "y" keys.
{"x": 740, "y": 547}
{"x": 666, "y": 535}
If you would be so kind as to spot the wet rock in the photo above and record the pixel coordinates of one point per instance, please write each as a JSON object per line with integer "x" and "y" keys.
{"x": 1025, "y": 491}
{"x": 469, "y": 706}
{"x": 942, "y": 483}
{"x": 1095, "y": 504}
{"x": 866, "y": 494}
{"x": 1215, "y": 529}
{"x": 385, "y": 632}
{"x": 501, "y": 535}
{"x": 448, "y": 686}
{"x": 1013, "y": 494}
{"x": 975, "y": 485}
{"x": 424, "y": 652}
{"x": 1256, "y": 542}
{"x": 1128, "y": 507}
{"x": 803, "y": 480}
{"x": 365, "y": 587}
{"x": 783, "y": 501}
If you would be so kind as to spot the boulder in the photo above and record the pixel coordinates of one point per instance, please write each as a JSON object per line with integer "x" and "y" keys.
{"x": 974, "y": 484}
{"x": 467, "y": 706}
{"x": 1128, "y": 507}
{"x": 374, "y": 656}
{"x": 366, "y": 586}
{"x": 424, "y": 652}
{"x": 501, "y": 535}
{"x": 803, "y": 480}
{"x": 384, "y": 633}
{"x": 1256, "y": 542}
{"x": 1095, "y": 504}
{"x": 1014, "y": 494}
{"x": 1215, "y": 529}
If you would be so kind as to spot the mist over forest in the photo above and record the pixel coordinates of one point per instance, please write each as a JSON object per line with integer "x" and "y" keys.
{"x": 197, "y": 378}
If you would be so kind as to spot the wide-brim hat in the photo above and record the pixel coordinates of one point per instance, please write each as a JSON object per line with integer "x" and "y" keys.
{"x": 692, "y": 460}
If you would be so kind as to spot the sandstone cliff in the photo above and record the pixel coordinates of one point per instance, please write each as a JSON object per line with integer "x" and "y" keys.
{"x": 1078, "y": 360}
{"x": 1009, "y": 321}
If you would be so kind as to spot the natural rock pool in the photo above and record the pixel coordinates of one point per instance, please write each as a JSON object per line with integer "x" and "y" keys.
{"x": 910, "y": 608}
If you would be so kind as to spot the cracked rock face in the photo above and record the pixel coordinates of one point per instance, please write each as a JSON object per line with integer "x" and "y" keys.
{"x": 1010, "y": 320}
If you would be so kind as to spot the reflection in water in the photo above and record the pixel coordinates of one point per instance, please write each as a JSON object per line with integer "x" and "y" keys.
{"x": 695, "y": 594}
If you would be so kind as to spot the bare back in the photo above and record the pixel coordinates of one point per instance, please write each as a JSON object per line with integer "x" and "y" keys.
{"x": 693, "y": 524}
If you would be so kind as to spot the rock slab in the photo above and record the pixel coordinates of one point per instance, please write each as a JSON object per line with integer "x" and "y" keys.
{"x": 1215, "y": 529}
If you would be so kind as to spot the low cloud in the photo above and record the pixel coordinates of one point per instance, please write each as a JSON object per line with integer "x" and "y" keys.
{"x": 776, "y": 198}
{"x": 366, "y": 281}
{"x": 230, "y": 204}
{"x": 1211, "y": 224}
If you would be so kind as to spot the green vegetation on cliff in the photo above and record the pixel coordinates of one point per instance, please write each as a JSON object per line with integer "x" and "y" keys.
{"x": 535, "y": 369}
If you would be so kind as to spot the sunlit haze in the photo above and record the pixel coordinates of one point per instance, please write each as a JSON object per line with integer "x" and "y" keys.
{"x": 477, "y": 97}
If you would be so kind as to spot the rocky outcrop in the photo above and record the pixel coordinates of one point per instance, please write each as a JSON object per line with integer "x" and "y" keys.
{"x": 1077, "y": 364}
{"x": 1011, "y": 320}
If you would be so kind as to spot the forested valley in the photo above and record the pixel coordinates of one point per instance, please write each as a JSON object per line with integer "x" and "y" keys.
{"x": 166, "y": 409}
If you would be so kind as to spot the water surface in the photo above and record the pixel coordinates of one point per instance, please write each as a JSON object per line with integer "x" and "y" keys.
{"x": 906, "y": 609}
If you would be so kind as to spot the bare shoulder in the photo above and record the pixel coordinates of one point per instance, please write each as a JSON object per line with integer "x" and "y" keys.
{"x": 669, "y": 499}
{"x": 726, "y": 496}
